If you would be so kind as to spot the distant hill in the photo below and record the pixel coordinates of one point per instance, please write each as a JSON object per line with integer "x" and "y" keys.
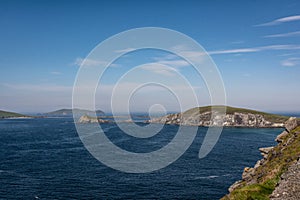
{"x": 5, "y": 114}
{"x": 69, "y": 112}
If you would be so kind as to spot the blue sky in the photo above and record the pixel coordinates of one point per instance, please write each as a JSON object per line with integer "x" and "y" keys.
{"x": 255, "y": 45}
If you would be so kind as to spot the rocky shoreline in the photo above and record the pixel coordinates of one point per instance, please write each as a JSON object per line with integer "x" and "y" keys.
{"x": 277, "y": 175}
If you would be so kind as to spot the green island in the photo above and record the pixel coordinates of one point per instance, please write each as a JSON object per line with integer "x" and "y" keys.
{"x": 6, "y": 114}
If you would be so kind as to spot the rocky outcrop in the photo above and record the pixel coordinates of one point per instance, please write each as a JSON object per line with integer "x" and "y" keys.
{"x": 289, "y": 186}
{"x": 87, "y": 119}
{"x": 281, "y": 136}
{"x": 291, "y": 124}
{"x": 265, "y": 151}
{"x": 215, "y": 119}
{"x": 278, "y": 170}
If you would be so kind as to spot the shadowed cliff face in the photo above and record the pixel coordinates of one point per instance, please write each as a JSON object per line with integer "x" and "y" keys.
{"x": 214, "y": 119}
{"x": 277, "y": 175}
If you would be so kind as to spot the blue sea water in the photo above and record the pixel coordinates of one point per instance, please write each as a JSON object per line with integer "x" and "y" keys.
{"x": 45, "y": 159}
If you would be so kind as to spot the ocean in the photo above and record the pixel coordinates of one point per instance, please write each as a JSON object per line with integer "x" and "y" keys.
{"x": 45, "y": 159}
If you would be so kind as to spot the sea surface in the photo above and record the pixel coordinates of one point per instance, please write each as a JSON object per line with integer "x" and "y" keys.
{"x": 45, "y": 159}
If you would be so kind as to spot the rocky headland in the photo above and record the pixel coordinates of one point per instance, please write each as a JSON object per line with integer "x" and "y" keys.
{"x": 235, "y": 117}
{"x": 277, "y": 175}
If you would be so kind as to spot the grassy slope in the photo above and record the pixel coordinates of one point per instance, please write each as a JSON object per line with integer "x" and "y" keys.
{"x": 5, "y": 114}
{"x": 278, "y": 162}
{"x": 231, "y": 110}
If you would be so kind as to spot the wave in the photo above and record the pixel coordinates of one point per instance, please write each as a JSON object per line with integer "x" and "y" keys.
{"x": 211, "y": 176}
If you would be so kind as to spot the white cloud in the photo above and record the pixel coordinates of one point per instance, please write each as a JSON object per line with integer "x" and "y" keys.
{"x": 296, "y": 33}
{"x": 255, "y": 49}
{"x": 229, "y": 51}
{"x": 290, "y": 62}
{"x": 176, "y": 61}
{"x": 281, "y": 20}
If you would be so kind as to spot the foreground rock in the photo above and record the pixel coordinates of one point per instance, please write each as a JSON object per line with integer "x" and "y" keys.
{"x": 235, "y": 117}
{"x": 277, "y": 175}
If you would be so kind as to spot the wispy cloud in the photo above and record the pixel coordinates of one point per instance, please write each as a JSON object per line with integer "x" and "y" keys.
{"x": 89, "y": 62}
{"x": 125, "y": 50}
{"x": 158, "y": 68}
{"x": 229, "y": 51}
{"x": 255, "y": 49}
{"x": 92, "y": 63}
{"x": 289, "y": 54}
{"x": 175, "y": 63}
{"x": 296, "y": 33}
{"x": 290, "y": 62}
{"x": 281, "y": 20}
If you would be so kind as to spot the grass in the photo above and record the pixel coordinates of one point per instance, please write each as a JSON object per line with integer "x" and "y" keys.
{"x": 268, "y": 175}
{"x": 231, "y": 110}
{"x": 259, "y": 191}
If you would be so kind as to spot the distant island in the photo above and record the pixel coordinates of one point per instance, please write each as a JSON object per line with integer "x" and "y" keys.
{"x": 69, "y": 112}
{"x": 201, "y": 116}
{"x": 57, "y": 113}
{"x": 6, "y": 114}
{"x": 210, "y": 116}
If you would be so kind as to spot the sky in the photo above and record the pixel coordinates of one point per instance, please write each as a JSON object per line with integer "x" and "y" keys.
{"x": 254, "y": 44}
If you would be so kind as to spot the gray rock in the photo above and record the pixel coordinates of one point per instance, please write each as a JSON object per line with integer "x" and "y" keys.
{"x": 248, "y": 174}
{"x": 265, "y": 151}
{"x": 280, "y": 137}
{"x": 291, "y": 123}
{"x": 258, "y": 163}
{"x": 289, "y": 185}
{"x": 234, "y": 186}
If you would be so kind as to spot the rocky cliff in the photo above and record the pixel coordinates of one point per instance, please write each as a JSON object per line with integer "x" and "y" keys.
{"x": 277, "y": 175}
{"x": 235, "y": 117}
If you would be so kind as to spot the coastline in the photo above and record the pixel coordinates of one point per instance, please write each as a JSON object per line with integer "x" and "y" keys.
{"x": 270, "y": 178}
